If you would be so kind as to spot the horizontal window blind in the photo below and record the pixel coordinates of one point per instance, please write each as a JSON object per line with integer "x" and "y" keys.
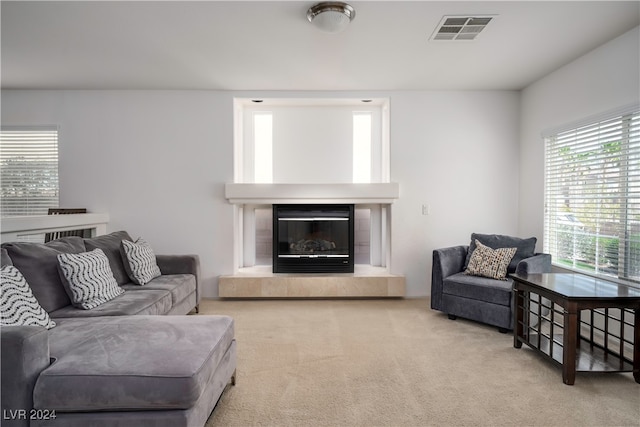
{"x": 592, "y": 197}
{"x": 28, "y": 171}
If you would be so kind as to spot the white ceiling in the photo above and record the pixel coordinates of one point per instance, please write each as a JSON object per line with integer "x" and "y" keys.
{"x": 269, "y": 45}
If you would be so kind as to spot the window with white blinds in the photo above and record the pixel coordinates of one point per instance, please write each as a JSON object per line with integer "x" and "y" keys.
{"x": 592, "y": 196}
{"x": 28, "y": 171}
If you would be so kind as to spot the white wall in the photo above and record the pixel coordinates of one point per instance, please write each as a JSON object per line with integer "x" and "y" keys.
{"x": 604, "y": 79}
{"x": 457, "y": 153}
{"x": 157, "y": 161}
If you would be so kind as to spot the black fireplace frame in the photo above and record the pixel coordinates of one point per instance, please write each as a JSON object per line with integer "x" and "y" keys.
{"x": 313, "y": 263}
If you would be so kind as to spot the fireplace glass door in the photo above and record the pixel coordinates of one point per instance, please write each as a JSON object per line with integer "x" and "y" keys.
{"x": 313, "y": 238}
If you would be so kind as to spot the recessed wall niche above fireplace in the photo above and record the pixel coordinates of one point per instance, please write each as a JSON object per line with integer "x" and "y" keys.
{"x": 311, "y": 238}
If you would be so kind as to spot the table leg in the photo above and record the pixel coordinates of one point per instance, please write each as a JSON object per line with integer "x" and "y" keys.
{"x": 518, "y": 330}
{"x": 570, "y": 342}
{"x": 636, "y": 346}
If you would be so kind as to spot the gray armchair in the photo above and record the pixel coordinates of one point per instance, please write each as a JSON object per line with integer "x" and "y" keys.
{"x": 481, "y": 299}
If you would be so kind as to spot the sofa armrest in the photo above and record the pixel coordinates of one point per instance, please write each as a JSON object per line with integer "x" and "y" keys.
{"x": 539, "y": 263}
{"x": 181, "y": 264}
{"x": 446, "y": 262}
{"x": 25, "y": 354}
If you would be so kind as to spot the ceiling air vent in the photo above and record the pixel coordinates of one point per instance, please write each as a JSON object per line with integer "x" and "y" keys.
{"x": 460, "y": 27}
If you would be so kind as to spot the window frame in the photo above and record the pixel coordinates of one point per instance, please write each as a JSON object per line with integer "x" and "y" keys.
{"x": 610, "y": 141}
{"x": 43, "y": 194}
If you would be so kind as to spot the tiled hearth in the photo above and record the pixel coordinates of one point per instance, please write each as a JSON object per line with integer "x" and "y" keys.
{"x": 259, "y": 282}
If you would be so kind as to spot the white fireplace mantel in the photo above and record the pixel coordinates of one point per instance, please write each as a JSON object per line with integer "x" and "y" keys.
{"x": 375, "y": 193}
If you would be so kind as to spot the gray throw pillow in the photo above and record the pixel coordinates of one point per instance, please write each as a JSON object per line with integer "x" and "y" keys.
{"x": 525, "y": 248}
{"x": 18, "y": 306}
{"x": 88, "y": 279}
{"x": 110, "y": 245}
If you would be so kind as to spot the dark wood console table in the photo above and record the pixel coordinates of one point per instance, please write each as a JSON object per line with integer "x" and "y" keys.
{"x": 580, "y": 322}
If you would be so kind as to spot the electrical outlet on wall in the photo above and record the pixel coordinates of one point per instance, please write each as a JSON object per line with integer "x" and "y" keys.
{"x": 426, "y": 209}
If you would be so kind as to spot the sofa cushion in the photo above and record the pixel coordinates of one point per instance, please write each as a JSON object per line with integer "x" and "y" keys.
{"x": 18, "y": 306}
{"x": 38, "y": 263}
{"x": 130, "y": 363}
{"x": 525, "y": 248}
{"x": 491, "y": 263}
{"x": 180, "y": 286}
{"x": 110, "y": 245}
{"x": 5, "y": 259}
{"x": 88, "y": 279}
{"x": 139, "y": 261}
{"x": 130, "y": 303}
{"x": 479, "y": 288}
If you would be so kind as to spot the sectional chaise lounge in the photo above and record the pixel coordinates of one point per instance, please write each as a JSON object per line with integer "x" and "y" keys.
{"x": 136, "y": 359}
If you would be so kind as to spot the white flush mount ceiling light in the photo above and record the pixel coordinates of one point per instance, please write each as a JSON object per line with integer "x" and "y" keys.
{"x": 331, "y": 16}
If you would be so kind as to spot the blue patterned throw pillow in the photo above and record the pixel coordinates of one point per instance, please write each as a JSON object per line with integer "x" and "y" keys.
{"x": 141, "y": 260}
{"x": 88, "y": 278}
{"x": 18, "y": 306}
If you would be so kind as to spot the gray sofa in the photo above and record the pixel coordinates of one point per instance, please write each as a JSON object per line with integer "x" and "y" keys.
{"x": 477, "y": 298}
{"x": 122, "y": 363}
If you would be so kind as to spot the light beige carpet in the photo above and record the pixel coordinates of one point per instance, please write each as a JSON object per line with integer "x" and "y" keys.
{"x": 399, "y": 363}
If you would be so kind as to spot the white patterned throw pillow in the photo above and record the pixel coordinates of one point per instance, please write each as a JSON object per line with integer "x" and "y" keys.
{"x": 88, "y": 278}
{"x": 18, "y": 306}
{"x": 141, "y": 261}
{"x": 491, "y": 263}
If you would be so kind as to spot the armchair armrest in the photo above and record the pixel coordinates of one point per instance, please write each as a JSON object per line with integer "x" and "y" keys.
{"x": 446, "y": 262}
{"x": 25, "y": 353}
{"x": 181, "y": 264}
{"x": 539, "y": 263}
